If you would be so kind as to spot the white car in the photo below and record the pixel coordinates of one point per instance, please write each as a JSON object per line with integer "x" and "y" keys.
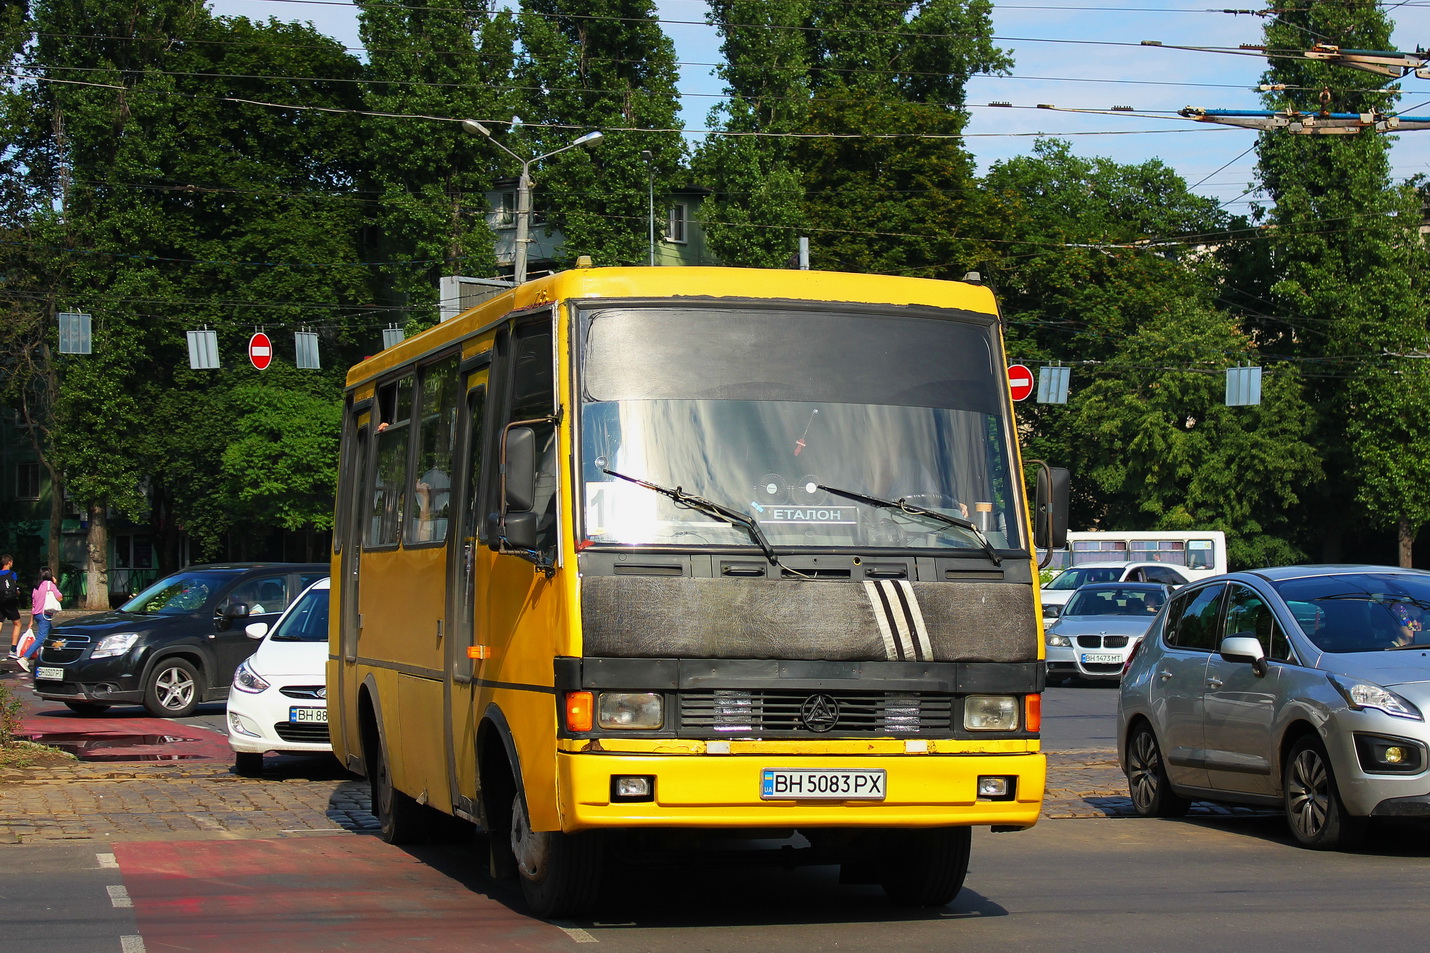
{"x": 279, "y": 697}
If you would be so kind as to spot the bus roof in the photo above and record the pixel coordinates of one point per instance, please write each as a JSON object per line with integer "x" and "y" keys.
{"x": 695, "y": 283}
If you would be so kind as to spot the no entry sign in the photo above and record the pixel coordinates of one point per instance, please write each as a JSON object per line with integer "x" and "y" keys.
{"x": 260, "y": 350}
{"x": 1020, "y": 381}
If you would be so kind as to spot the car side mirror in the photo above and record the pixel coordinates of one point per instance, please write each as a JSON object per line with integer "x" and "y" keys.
{"x": 229, "y": 612}
{"x": 1244, "y": 648}
{"x": 256, "y": 630}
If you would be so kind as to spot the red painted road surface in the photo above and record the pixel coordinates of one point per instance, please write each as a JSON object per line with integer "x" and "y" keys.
{"x": 314, "y": 894}
{"x": 120, "y": 734}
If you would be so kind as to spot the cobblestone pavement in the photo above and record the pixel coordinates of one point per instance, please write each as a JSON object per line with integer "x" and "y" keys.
{"x": 312, "y": 796}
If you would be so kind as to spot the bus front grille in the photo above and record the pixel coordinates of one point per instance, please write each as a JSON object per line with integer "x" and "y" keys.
{"x": 805, "y": 713}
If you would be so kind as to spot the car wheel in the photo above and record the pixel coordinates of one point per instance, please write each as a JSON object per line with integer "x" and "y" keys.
{"x": 88, "y": 709}
{"x": 248, "y": 763}
{"x": 1152, "y": 794}
{"x": 926, "y": 868}
{"x": 560, "y": 873}
{"x": 173, "y": 690}
{"x": 1314, "y": 809}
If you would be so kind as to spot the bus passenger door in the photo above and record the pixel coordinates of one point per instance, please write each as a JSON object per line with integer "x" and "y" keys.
{"x": 344, "y": 660}
{"x": 463, "y": 560}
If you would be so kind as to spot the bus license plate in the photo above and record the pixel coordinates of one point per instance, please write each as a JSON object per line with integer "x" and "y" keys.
{"x": 783, "y": 784}
{"x": 308, "y": 716}
{"x": 1101, "y": 658}
{"x": 50, "y": 673}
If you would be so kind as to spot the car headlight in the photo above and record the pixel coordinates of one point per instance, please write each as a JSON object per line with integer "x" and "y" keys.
{"x": 630, "y": 710}
{"x": 1370, "y": 695}
{"x": 990, "y": 713}
{"x": 246, "y": 679}
{"x": 116, "y": 644}
{"x": 1060, "y": 641}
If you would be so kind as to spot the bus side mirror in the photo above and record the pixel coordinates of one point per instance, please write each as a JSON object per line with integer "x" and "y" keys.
{"x": 518, "y": 531}
{"x": 519, "y": 473}
{"x": 1050, "y": 510}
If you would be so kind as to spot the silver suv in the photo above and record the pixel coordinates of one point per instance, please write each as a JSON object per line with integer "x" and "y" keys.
{"x": 1303, "y": 687}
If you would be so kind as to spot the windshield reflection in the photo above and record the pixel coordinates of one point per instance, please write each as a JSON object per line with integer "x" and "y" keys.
{"x": 767, "y": 458}
{"x": 1360, "y": 612}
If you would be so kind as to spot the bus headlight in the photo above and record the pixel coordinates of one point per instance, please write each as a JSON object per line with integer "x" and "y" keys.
{"x": 990, "y": 713}
{"x": 631, "y": 710}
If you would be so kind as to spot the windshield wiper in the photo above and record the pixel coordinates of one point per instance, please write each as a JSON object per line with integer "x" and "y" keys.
{"x": 904, "y": 506}
{"x": 711, "y": 509}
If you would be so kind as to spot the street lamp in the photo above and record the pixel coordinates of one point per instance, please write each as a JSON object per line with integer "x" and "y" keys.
{"x": 649, "y": 158}
{"x": 523, "y": 188}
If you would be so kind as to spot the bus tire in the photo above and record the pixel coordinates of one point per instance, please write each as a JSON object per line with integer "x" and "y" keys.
{"x": 926, "y": 868}
{"x": 560, "y": 873}
{"x": 400, "y": 819}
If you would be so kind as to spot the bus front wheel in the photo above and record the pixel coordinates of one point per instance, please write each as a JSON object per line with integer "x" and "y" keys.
{"x": 560, "y": 873}
{"x": 926, "y": 868}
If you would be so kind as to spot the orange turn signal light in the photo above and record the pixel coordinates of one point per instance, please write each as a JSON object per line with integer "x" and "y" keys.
{"x": 580, "y": 711}
{"x": 1033, "y": 713}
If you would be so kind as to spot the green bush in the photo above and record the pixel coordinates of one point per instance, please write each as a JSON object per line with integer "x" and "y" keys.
{"x": 11, "y": 717}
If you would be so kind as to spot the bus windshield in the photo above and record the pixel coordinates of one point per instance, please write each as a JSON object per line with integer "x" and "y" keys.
{"x": 899, "y": 408}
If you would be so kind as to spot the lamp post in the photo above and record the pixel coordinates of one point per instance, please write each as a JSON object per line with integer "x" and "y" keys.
{"x": 523, "y": 188}
{"x": 649, "y": 158}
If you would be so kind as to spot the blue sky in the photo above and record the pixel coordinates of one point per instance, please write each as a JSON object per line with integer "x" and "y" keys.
{"x": 1074, "y": 54}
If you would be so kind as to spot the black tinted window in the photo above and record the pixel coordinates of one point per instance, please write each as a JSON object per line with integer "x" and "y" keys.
{"x": 1192, "y": 620}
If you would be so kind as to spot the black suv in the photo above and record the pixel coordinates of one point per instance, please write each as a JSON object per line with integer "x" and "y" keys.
{"x": 172, "y": 646}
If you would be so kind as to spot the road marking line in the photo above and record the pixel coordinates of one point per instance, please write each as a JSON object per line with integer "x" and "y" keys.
{"x": 106, "y": 860}
{"x": 575, "y": 933}
{"x": 119, "y": 896}
{"x": 131, "y": 944}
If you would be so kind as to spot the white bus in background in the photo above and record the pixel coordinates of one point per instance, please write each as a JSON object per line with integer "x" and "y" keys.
{"x": 1198, "y": 553}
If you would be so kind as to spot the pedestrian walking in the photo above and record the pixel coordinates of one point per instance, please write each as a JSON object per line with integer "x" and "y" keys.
{"x": 10, "y": 599}
{"x": 44, "y": 603}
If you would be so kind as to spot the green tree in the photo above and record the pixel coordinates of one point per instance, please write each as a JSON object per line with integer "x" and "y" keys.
{"x": 1105, "y": 270}
{"x": 446, "y": 59}
{"x": 868, "y": 100}
{"x": 1342, "y": 244}
{"x": 598, "y": 65}
{"x": 178, "y": 200}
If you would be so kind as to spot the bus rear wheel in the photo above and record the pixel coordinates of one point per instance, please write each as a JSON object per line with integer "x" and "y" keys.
{"x": 400, "y": 819}
{"x": 560, "y": 873}
{"x": 926, "y": 868}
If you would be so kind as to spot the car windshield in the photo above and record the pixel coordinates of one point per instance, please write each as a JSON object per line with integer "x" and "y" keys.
{"x": 178, "y": 594}
{"x": 1114, "y": 601}
{"x": 1360, "y": 612}
{"x": 884, "y": 407}
{"x": 1079, "y": 576}
{"x": 307, "y": 621}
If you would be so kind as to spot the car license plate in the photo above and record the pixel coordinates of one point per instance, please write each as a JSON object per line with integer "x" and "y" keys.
{"x": 308, "y": 716}
{"x": 50, "y": 672}
{"x": 1101, "y": 658}
{"x": 783, "y": 784}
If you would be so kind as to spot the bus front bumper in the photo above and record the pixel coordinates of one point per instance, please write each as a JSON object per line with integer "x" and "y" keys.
{"x": 725, "y": 791}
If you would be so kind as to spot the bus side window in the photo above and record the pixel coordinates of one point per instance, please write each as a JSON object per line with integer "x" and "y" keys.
{"x": 388, "y": 487}
{"x": 533, "y": 397}
{"x": 436, "y": 442}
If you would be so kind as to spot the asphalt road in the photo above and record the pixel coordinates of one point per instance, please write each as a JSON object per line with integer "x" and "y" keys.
{"x": 1227, "y": 882}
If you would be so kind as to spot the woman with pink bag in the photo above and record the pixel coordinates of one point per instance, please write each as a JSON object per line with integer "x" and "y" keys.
{"x": 44, "y": 603}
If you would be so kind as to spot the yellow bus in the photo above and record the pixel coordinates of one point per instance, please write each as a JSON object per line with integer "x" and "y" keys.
{"x": 637, "y": 559}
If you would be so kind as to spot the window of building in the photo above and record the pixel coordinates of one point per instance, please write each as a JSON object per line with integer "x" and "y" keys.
{"x": 505, "y": 216}
{"x": 675, "y": 223}
{"x": 27, "y": 481}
